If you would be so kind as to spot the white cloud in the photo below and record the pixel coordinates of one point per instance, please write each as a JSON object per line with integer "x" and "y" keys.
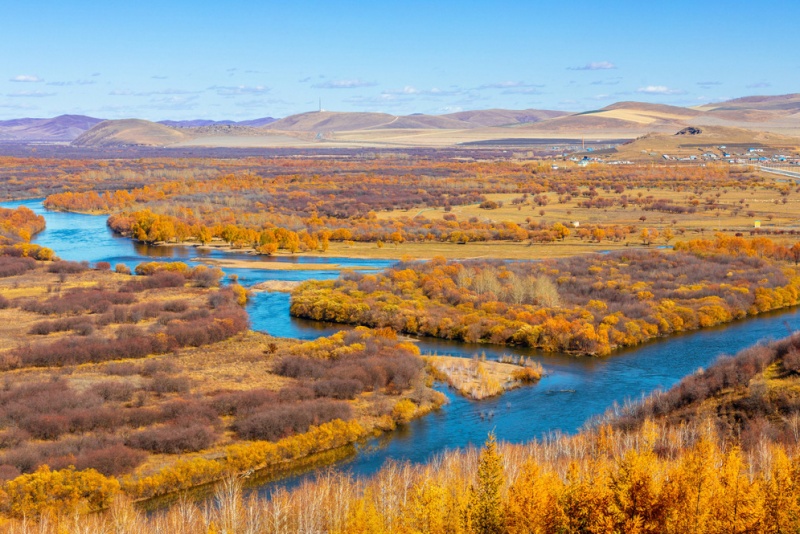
{"x": 344, "y": 84}
{"x": 17, "y": 106}
{"x": 410, "y": 90}
{"x": 241, "y": 90}
{"x": 168, "y": 92}
{"x": 28, "y": 78}
{"x": 262, "y": 103}
{"x": 508, "y": 85}
{"x": 659, "y": 90}
{"x": 759, "y": 85}
{"x": 595, "y": 65}
{"x": 174, "y": 103}
{"x": 610, "y": 81}
{"x": 76, "y": 82}
{"x": 30, "y": 94}
{"x": 522, "y": 91}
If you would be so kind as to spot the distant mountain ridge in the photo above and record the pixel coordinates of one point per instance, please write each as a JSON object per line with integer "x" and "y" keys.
{"x": 63, "y": 128}
{"x": 197, "y": 123}
{"x": 778, "y": 114}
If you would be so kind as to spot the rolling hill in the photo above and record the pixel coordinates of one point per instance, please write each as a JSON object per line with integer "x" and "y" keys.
{"x": 696, "y": 140}
{"x": 720, "y": 122}
{"x": 58, "y": 129}
{"x": 196, "y": 123}
{"x": 130, "y": 132}
{"x": 788, "y": 104}
{"x": 504, "y": 117}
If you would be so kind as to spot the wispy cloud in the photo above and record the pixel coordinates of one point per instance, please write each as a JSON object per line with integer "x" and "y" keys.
{"x": 708, "y": 83}
{"x": 507, "y": 85}
{"x": 759, "y": 85}
{"x": 595, "y": 65}
{"x": 659, "y": 90}
{"x": 434, "y": 91}
{"x": 172, "y": 103}
{"x": 18, "y": 106}
{"x": 128, "y": 92}
{"x": 611, "y": 81}
{"x": 344, "y": 84}
{"x": 522, "y": 91}
{"x": 159, "y": 77}
{"x": 26, "y": 78}
{"x": 240, "y": 90}
{"x": 29, "y": 94}
{"x": 382, "y": 101}
{"x": 68, "y": 83}
{"x": 262, "y": 103}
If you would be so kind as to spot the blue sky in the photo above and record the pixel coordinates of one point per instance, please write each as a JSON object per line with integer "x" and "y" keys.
{"x": 176, "y": 59}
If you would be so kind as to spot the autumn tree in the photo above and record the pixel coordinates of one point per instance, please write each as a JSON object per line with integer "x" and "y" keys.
{"x": 486, "y": 512}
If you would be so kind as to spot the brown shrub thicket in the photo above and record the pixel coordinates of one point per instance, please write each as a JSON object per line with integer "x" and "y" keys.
{"x": 275, "y": 422}
{"x": 11, "y": 266}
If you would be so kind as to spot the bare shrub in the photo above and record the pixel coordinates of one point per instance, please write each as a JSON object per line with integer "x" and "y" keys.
{"x": 300, "y": 367}
{"x": 10, "y": 266}
{"x": 114, "y": 390}
{"x": 242, "y": 402}
{"x": 295, "y": 393}
{"x": 338, "y": 388}
{"x": 66, "y": 267}
{"x": 287, "y": 419}
{"x": 173, "y": 439}
{"x": 162, "y": 383}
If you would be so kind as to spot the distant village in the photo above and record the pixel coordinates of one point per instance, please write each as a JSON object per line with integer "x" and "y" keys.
{"x": 735, "y": 155}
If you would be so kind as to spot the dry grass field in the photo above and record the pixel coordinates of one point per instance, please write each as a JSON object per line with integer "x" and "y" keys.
{"x": 735, "y": 211}
{"x": 478, "y": 379}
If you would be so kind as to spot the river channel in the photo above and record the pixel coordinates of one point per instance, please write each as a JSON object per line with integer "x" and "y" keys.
{"x": 574, "y": 390}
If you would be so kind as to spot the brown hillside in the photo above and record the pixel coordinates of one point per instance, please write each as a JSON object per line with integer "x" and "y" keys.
{"x": 504, "y": 117}
{"x": 787, "y": 104}
{"x": 328, "y": 121}
{"x": 599, "y": 123}
{"x": 130, "y": 132}
{"x": 644, "y": 107}
{"x": 709, "y": 137}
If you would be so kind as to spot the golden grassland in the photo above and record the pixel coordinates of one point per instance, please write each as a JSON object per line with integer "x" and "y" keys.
{"x": 762, "y": 202}
{"x": 477, "y": 378}
{"x": 737, "y": 212}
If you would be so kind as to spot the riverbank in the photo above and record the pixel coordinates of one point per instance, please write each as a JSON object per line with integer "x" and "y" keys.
{"x": 264, "y": 266}
{"x": 576, "y": 389}
{"x": 512, "y": 250}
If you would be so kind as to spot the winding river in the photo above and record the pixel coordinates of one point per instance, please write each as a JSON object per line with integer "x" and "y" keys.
{"x": 575, "y": 389}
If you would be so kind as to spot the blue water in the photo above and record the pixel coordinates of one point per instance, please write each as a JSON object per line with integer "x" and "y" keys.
{"x": 575, "y": 389}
